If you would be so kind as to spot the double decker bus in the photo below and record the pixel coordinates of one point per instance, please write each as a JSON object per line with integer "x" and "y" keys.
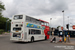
{"x": 25, "y": 28}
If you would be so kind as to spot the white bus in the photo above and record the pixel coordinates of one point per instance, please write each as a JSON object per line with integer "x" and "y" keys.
{"x": 25, "y": 28}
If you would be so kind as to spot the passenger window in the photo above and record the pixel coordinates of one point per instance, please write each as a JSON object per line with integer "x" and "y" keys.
{"x": 31, "y": 19}
{"x": 38, "y": 32}
{"x": 42, "y": 23}
{"x": 38, "y": 22}
{"x": 34, "y": 21}
{"x": 28, "y": 19}
{"x": 45, "y": 24}
{"x": 29, "y": 31}
{"x": 34, "y": 31}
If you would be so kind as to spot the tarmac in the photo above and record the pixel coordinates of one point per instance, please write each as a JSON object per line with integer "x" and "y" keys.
{"x": 57, "y": 40}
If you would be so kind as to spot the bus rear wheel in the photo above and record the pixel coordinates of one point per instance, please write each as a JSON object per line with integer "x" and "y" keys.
{"x": 32, "y": 39}
{"x": 45, "y": 37}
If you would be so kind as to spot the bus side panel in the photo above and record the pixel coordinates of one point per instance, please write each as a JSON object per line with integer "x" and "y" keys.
{"x": 36, "y": 36}
{"x": 25, "y": 34}
{"x": 46, "y": 31}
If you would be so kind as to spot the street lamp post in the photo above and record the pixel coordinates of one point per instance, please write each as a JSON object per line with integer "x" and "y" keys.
{"x": 63, "y": 24}
{"x": 6, "y": 25}
{"x": 68, "y": 30}
{"x": 50, "y": 26}
{"x": 68, "y": 23}
{"x": 9, "y": 26}
{"x": 68, "y": 19}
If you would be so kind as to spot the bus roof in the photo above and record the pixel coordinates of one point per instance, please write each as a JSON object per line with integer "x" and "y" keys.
{"x": 43, "y": 21}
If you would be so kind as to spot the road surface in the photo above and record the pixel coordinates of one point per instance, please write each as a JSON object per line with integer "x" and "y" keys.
{"x": 6, "y": 44}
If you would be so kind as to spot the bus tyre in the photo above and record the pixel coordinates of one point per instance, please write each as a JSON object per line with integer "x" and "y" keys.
{"x": 32, "y": 39}
{"x": 45, "y": 37}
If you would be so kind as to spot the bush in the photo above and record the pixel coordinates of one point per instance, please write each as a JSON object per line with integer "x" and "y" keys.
{"x": 1, "y": 31}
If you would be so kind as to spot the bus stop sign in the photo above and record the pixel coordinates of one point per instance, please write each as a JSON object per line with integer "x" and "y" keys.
{"x": 73, "y": 26}
{"x": 61, "y": 28}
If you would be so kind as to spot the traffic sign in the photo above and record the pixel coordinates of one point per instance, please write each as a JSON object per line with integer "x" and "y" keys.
{"x": 73, "y": 26}
{"x": 61, "y": 28}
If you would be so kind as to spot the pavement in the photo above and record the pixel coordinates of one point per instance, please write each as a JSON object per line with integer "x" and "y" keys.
{"x": 4, "y": 34}
{"x": 72, "y": 41}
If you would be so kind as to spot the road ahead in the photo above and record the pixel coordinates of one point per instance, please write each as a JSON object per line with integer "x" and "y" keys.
{"x": 6, "y": 44}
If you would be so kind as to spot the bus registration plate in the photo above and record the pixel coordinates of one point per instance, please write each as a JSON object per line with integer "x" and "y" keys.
{"x": 16, "y": 31}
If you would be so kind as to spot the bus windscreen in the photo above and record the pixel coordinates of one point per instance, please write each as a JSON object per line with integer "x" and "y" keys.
{"x": 16, "y": 29}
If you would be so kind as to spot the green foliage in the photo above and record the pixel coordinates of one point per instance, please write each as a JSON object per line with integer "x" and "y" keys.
{"x": 3, "y": 20}
{"x": 1, "y": 7}
{"x": 1, "y": 31}
{"x": 58, "y": 27}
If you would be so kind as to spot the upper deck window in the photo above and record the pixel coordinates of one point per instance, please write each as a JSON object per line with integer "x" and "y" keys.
{"x": 47, "y": 24}
{"x": 18, "y": 17}
{"x": 32, "y": 20}
{"x": 37, "y": 22}
{"x": 28, "y": 19}
{"x": 44, "y": 23}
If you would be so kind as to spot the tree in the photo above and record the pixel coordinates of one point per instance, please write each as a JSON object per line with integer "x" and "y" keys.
{"x": 58, "y": 27}
{"x": 3, "y": 20}
{"x": 1, "y": 8}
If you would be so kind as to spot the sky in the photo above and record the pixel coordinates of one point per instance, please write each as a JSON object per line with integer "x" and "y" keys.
{"x": 43, "y": 9}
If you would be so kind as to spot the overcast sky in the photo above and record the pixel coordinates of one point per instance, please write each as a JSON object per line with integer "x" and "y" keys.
{"x": 42, "y": 9}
